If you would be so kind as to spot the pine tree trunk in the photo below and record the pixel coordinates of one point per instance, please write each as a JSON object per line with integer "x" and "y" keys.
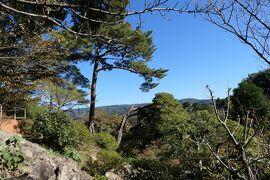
{"x": 93, "y": 98}
{"x": 51, "y": 103}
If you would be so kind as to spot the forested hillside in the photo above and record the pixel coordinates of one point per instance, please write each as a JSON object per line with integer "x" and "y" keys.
{"x": 53, "y": 54}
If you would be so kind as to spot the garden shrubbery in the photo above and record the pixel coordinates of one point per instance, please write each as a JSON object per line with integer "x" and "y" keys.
{"x": 55, "y": 130}
{"x": 84, "y": 138}
{"x": 105, "y": 141}
{"x": 107, "y": 160}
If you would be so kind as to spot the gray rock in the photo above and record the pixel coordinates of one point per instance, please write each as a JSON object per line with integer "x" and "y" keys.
{"x": 112, "y": 176}
{"x": 40, "y": 165}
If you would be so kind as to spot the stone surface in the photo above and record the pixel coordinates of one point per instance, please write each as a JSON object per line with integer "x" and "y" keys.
{"x": 40, "y": 165}
{"x": 112, "y": 176}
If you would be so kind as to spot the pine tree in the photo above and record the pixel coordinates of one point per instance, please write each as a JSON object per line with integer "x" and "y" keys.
{"x": 128, "y": 50}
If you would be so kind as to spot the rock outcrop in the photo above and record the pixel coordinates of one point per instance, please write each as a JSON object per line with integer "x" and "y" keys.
{"x": 41, "y": 165}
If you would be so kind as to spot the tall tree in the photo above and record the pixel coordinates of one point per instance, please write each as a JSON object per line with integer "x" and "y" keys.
{"x": 248, "y": 99}
{"x": 27, "y": 57}
{"x": 165, "y": 115}
{"x": 251, "y": 98}
{"x": 23, "y": 62}
{"x": 262, "y": 80}
{"x": 130, "y": 50}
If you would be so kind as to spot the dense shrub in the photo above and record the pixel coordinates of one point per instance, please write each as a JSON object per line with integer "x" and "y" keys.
{"x": 151, "y": 169}
{"x": 94, "y": 168}
{"x": 106, "y": 141}
{"x": 100, "y": 177}
{"x": 107, "y": 160}
{"x": 33, "y": 110}
{"x": 83, "y": 136}
{"x": 111, "y": 159}
{"x": 54, "y": 130}
{"x": 10, "y": 156}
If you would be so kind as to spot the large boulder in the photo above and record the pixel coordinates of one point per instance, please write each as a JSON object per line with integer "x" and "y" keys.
{"x": 39, "y": 164}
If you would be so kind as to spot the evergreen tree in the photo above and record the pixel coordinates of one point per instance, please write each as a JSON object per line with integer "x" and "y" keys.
{"x": 129, "y": 50}
{"x": 165, "y": 118}
{"x": 249, "y": 101}
{"x": 26, "y": 59}
{"x": 262, "y": 80}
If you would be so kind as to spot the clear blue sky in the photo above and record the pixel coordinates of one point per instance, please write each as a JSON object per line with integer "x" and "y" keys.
{"x": 196, "y": 53}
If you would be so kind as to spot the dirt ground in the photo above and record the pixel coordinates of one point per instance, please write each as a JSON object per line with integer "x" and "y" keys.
{"x": 10, "y": 126}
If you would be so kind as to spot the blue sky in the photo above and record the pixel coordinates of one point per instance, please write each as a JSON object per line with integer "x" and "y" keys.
{"x": 196, "y": 53}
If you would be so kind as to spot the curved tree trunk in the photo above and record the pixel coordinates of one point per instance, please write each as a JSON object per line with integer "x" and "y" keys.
{"x": 123, "y": 124}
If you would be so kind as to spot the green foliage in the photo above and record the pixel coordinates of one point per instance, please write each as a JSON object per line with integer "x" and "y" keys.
{"x": 192, "y": 152}
{"x": 82, "y": 135}
{"x": 202, "y": 124}
{"x": 73, "y": 154}
{"x": 105, "y": 141}
{"x": 60, "y": 94}
{"x": 33, "y": 110}
{"x": 168, "y": 114}
{"x": 11, "y": 157}
{"x": 131, "y": 50}
{"x": 104, "y": 121}
{"x": 165, "y": 120}
{"x": 151, "y": 169}
{"x": 107, "y": 160}
{"x": 261, "y": 80}
{"x": 200, "y": 107}
{"x": 110, "y": 158}
{"x": 250, "y": 98}
{"x": 55, "y": 130}
{"x": 3, "y": 177}
{"x": 18, "y": 84}
{"x": 164, "y": 117}
{"x": 100, "y": 177}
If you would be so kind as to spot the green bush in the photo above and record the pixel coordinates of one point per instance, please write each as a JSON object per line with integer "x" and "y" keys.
{"x": 83, "y": 136}
{"x": 151, "y": 169}
{"x": 107, "y": 160}
{"x": 11, "y": 157}
{"x": 94, "y": 168}
{"x": 55, "y": 130}
{"x": 111, "y": 159}
{"x": 73, "y": 154}
{"x": 106, "y": 141}
{"x": 100, "y": 177}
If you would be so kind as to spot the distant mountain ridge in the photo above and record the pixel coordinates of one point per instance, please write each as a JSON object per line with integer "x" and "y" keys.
{"x": 193, "y": 100}
{"x": 123, "y": 108}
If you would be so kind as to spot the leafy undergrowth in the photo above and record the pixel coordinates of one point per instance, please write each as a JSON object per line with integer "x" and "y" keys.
{"x": 11, "y": 158}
